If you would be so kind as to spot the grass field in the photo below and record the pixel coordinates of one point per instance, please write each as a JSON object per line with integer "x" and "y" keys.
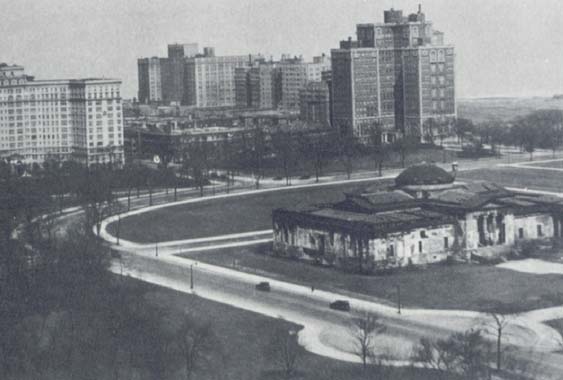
{"x": 517, "y": 177}
{"x": 552, "y": 164}
{"x": 468, "y": 287}
{"x": 245, "y": 336}
{"x": 223, "y": 216}
{"x": 485, "y": 109}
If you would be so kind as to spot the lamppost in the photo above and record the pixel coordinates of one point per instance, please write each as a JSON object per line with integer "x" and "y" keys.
{"x": 398, "y": 299}
{"x": 118, "y": 227}
{"x": 192, "y": 277}
{"x": 156, "y": 249}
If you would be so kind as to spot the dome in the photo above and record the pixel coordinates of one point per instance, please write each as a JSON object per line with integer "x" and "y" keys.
{"x": 423, "y": 174}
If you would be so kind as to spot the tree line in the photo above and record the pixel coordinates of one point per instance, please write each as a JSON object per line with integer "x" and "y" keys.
{"x": 62, "y": 313}
{"x": 541, "y": 129}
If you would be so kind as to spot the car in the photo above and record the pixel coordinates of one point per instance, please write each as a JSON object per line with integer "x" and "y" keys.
{"x": 263, "y": 286}
{"x": 341, "y": 305}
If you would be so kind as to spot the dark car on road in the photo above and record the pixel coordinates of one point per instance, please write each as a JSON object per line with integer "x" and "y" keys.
{"x": 340, "y": 305}
{"x": 263, "y": 286}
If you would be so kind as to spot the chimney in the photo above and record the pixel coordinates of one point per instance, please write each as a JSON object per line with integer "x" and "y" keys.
{"x": 419, "y": 8}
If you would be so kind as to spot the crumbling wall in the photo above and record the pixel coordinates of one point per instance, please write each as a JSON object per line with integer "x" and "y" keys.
{"x": 529, "y": 225}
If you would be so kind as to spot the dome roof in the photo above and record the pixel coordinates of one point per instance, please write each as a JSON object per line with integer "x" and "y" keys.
{"x": 423, "y": 174}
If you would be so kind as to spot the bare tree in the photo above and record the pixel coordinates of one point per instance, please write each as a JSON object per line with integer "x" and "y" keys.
{"x": 196, "y": 341}
{"x": 465, "y": 353}
{"x": 498, "y": 317}
{"x": 379, "y": 148}
{"x": 364, "y": 332}
{"x": 284, "y": 351}
{"x": 284, "y": 149}
{"x": 435, "y": 355}
{"x": 405, "y": 145}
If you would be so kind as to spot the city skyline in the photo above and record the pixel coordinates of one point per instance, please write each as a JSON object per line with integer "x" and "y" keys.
{"x": 501, "y": 47}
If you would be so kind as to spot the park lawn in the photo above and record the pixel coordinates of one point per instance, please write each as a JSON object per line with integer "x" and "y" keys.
{"x": 517, "y": 177}
{"x": 245, "y": 337}
{"x": 553, "y": 164}
{"x": 439, "y": 286}
{"x": 224, "y": 215}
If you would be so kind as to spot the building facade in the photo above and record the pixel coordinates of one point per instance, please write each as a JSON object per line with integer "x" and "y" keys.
{"x": 149, "y": 72}
{"x": 78, "y": 119}
{"x": 161, "y": 80}
{"x": 398, "y": 74}
{"x": 210, "y": 80}
{"x": 426, "y": 217}
{"x": 315, "y": 103}
{"x": 258, "y": 86}
{"x": 296, "y": 73}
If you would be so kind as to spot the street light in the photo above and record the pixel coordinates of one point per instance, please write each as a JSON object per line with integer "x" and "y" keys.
{"x": 118, "y": 227}
{"x": 398, "y": 299}
{"x": 192, "y": 277}
{"x": 156, "y": 249}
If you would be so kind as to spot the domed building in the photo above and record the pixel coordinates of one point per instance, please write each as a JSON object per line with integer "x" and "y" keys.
{"x": 426, "y": 217}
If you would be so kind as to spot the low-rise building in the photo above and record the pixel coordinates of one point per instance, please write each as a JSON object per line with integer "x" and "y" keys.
{"x": 425, "y": 217}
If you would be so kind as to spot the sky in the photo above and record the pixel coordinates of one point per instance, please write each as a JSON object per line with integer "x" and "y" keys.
{"x": 503, "y": 47}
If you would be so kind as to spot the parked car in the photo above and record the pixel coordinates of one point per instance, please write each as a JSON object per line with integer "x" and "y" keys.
{"x": 341, "y": 305}
{"x": 263, "y": 286}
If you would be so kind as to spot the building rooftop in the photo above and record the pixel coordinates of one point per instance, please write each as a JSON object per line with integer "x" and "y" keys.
{"x": 423, "y": 174}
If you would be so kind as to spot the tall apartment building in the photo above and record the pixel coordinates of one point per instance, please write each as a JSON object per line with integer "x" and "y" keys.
{"x": 210, "y": 80}
{"x": 182, "y": 50}
{"x": 258, "y": 86}
{"x": 150, "y": 80}
{"x": 76, "y": 119}
{"x": 296, "y": 73}
{"x": 398, "y": 74}
{"x": 315, "y": 103}
{"x": 161, "y": 80}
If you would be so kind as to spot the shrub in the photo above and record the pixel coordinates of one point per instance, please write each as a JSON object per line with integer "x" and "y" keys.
{"x": 528, "y": 248}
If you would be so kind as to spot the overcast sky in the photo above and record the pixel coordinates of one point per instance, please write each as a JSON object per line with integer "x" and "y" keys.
{"x": 503, "y": 47}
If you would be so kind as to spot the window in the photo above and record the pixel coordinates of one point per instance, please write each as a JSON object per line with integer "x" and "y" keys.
{"x": 423, "y": 234}
{"x": 419, "y": 247}
{"x": 521, "y": 233}
{"x": 391, "y": 250}
{"x": 540, "y": 232}
{"x": 446, "y": 243}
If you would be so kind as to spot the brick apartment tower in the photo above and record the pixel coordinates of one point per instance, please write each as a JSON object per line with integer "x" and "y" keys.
{"x": 398, "y": 74}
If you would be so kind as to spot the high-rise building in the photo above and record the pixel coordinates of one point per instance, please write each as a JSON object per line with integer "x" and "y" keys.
{"x": 182, "y": 50}
{"x": 258, "y": 86}
{"x": 210, "y": 80}
{"x": 242, "y": 87}
{"x": 150, "y": 79}
{"x": 314, "y": 103}
{"x": 161, "y": 80}
{"x": 296, "y": 73}
{"x": 398, "y": 74}
{"x": 78, "y": 119}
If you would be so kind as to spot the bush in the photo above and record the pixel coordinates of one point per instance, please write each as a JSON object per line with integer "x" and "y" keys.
{"x": 528, "y": 248}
